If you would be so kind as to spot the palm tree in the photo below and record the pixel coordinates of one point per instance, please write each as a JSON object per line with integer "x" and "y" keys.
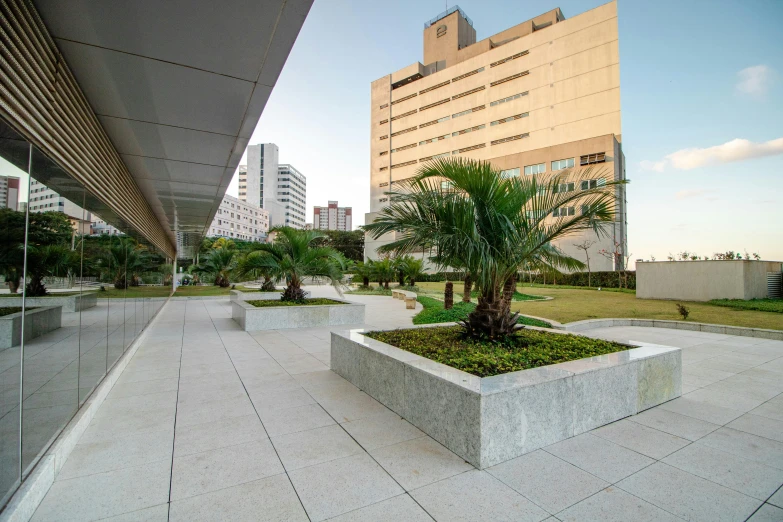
{"x": 254, "y": 265}
{"x": 383, "y": 271}
{"x": 412, "y": 268}
{"x": 218, "y": 264}
{"x": 489, "y": 226}
{"x": 48, "y": 261}
{"x": 294, "y": 256}
{"x": 120, "y": 260}
{"x": 363, "y": 270}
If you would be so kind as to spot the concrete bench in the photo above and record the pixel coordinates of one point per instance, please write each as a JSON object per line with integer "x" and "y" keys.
{"x": 408, "y": 297}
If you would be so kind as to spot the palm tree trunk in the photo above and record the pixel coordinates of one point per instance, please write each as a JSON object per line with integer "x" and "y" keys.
{"x": 467, "y": 288}
{"x": 448, "y": 296}
{"x": 492, "y": 316}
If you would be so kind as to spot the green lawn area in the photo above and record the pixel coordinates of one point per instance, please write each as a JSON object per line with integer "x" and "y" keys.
{"x": 571, "y": 304}
{"x": 163, "y": 291}
{"x": 762, "y": 305}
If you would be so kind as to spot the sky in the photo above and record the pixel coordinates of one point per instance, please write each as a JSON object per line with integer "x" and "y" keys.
{"x": 702, "y": 117}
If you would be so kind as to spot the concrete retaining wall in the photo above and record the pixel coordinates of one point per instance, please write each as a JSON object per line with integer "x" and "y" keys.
{"x": 37, "y": 322}
{"x": 69, "y": 303}
{"x": 493, "y": 419}
{"x": 703, "y": 280}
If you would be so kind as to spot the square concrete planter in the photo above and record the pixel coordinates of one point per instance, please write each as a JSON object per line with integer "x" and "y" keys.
{"x": 69, "y": 303}
{"x": 36, "y": 323}
{"x": 493, "y": 419}
{"x": 236, "y": 295}
{"x": 252, "y": 318}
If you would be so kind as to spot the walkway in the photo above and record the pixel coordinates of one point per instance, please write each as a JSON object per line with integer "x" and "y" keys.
{"x": 211, "y": 423}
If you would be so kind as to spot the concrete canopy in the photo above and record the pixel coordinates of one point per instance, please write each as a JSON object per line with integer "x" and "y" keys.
{"x": 178, "y": 86}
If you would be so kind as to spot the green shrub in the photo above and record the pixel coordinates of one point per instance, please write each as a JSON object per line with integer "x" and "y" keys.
{"x": 434, "y": 312}
{"x": 762, "y": 305}
{"x": 308, "y": 302}
{"x": 523, "y": 350}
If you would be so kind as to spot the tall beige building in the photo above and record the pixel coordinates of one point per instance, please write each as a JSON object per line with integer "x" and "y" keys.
{"x": 535, "y": 99}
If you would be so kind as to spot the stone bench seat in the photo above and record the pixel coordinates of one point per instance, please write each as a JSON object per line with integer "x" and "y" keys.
{"x": 408, "y": 297}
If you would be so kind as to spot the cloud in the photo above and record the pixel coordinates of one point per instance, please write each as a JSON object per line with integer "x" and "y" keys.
{"x": 696, "y": 193}
{"x": 734, "y": 150}
{"x": 754, "y": 80}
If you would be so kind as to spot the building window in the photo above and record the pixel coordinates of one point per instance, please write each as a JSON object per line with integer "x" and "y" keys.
{"x": 384, "y": 184}
{"x": 510, "y": 138}
{"x": 465, "y": 131}
{"x": 463, "y": 76}
{"x": 405, "y": 147}
{"x": 592, "y": 183}
{"x": 410, "y": 129}
{"x": 446, "y": 185}
{"x": 435, "y": 104}
{"x": 384, "y": 121}
{"x": 563, "y": 212}
{"x": 466, "y": 93}
{"x": 563, "y": 164}
{"x": 436, "y": 156}
{"x": 539, "y": 168}
{"x": 433, "y": 122}
{"x": 408, "y": 97}
{"x": 433, "y": 140}
{"x": 463, "y": 113}
{"x": 564, "y": 187}
{"x": 509, "y": 78}
{"x": 383, "y": 200}
{"x": 504, "y": 60}
{"x": 510, "y": 118}
{"x": 384, "y": 105}
{"x": 589, "y": 159}
{"x": 403, "y": 115}
{"x": 438, "y": 86}
{"x": 509, "y": 173}
{"x": 468, "y": 149}
{"x": 384, "y": 137}
{"x": 404, "y": 164}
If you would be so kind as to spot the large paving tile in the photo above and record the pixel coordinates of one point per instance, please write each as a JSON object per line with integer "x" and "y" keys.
{"x": 476, "y": 496}
{"x": 106, "y": 428}
{"x": 758, "y": 425}
{"x": 129, "y": 389}
{"x": 674, "y": 423}
{"x": 197, "y": 438}
{"x": 382, "y": 429}
{"x": 201, "y": 473}
{"x": 138, "y": 403}
{"x": 637, "y": 437}
{"x": 700, "y": 410}
{"x": 352, "y": 405}
{"x": 159, "y": 513}
{"x": 767, "y": 513}
{"x": 394, "y": 509}
{"x": 550, "y": 482}
{"x": 107, "y": 455}
{"x": 202, "y": 412}
{"x": 688, "y": 496}
{"x": 299, "y": 418}
{"x": 267, "y": 401}
{"x": 418, "y": 462}
{"x": 772, "y": 409}
{"x": 615, "y": 505}
{"x": 746, "y": 445}
{"x": 339, "y": 486}
{"x": 722, "y": 397}
{"x": 307, "y": 448}
{"x": 106, "y": 494}
{"x": 777, "y": 498}
{"x": 746, "y": 476}
{"x": 604, "y": 459}
{"x": 268, "y": 499}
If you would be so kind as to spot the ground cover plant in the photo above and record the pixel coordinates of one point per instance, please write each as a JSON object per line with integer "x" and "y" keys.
{"x": 306, "y": 302}
{"x": 522, "y": 350}
{"x": 762, "y": 305}
{"x": 435, "y": 312}
{"x": 8, "y": 310}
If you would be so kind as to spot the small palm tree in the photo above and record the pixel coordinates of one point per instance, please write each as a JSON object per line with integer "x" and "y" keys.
{"x": 413, "y": 269}
{"x": 294, "y": 256}
{"x": 383, "y": 271}
{"x": 254, "y": 265}
{"x": 218, "y": 264}
{"x": 489, "y": 226}
{"x": 364, "y": 271}
{"x": 121, "y": 259}
{"x": 48, "y": 261}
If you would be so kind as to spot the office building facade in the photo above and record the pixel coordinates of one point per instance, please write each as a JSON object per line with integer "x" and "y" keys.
{"x": 278, "y": 188}
{"x": 333, "y": 217}
{"x": 237, "y": 219}
{"x": 540, "y": 98}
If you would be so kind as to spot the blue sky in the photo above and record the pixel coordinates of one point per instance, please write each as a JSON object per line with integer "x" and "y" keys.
{"x": 682, "y": 88}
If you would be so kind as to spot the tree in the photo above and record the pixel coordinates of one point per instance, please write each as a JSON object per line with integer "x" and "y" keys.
{"x": 363, "y": 270}
{"x": 585, "y": 245}
{"x": 121, "y": 259}
{"x": 620, "y": 260}
{"x": 467, "y": 288}
{"x": 218, "y": 264}
{"x": 48, "y": 261}
{"x": 489, "y": 226}
{"x": 383, "y": 271}
{"x": 350, "y": 244}
{"x": 413, "y": 269}
{"x": 254, "y": 265}
{"x": 295, "y": 256}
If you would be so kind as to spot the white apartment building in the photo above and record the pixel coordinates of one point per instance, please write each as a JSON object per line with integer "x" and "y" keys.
{"x": 9, "y": 192}
{"x": 237, "y": 219}
{"x": 44, "y": 199}
{"x": 333, "y": 217}
{"x": 279, "y": 189}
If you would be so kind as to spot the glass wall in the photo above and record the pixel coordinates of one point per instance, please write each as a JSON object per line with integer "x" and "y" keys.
{"x": 74, "y": 295}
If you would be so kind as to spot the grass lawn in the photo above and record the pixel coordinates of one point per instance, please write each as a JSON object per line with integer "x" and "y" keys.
{"x": 575, "y": 305}
{"x": 163, "y": 291}
{"x": 521, "y": 351}
{"x": 262, "y": 303}
{"x": 762, "y": 305}
{"x": 434, "y": 313}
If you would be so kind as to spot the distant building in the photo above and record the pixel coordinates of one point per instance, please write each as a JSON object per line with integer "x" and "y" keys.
{"x": 100, "y": 228}
{"x": 9, "y": 192}
{"x": 237, "y": 219}
{"x": 279, "y": 189}
{"x": 333, "y": 217}
{"x": 44, "y": 199}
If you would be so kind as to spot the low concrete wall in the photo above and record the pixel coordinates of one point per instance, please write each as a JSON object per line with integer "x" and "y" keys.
{"x": 703, "y": 280}
{"x": 493, "y": 419}
{"x": 236, "y": 295}
{"x": 252, "y": 318}
{"x": 69, "y": 303}
{"x": 37, "y": 322}
{"x": 589, "y": 324}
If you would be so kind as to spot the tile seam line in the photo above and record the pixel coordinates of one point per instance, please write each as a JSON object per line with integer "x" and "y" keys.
{"x": 258, "y": 416}
{"x": 176, "y": 406}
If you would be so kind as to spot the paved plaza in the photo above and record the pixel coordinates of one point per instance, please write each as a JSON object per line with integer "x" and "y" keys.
{"x": 208, "y": 422}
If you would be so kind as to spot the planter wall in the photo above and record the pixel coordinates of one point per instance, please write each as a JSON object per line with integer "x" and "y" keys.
{"x": 493, "y": 419}
{"x": 251, "y": 318}
{"x": 36, "y": 323}
{"x": 236, "y": 295}
{"x": 69, "y": 303}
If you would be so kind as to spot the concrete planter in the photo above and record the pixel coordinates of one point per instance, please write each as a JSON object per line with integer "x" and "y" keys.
{"x": 493, "y": 419}
{"x": 36, "y": 323}
{"x": 251, "y": 318}
{"x": 236, "y": 295}
{"x": 69, "y": 303}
